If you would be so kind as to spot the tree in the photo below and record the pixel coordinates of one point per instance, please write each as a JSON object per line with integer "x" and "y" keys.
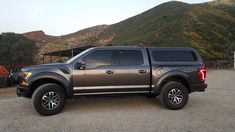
{"x": 16, "y": 50}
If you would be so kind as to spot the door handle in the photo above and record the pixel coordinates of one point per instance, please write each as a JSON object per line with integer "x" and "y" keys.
{"x": 142, "y": 71}
{"x": 109, "y": 71}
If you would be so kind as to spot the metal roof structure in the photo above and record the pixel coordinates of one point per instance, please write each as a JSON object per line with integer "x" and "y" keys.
{"x": 67, "y": 53}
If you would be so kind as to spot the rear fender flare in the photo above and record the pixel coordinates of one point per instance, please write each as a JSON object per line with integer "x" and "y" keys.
{"x": 172, "y": 74}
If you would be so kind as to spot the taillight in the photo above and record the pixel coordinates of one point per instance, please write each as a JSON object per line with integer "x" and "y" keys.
{"x": 202, "y": 73}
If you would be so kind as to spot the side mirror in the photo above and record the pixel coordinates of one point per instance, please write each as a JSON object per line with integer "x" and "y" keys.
{"x": 81, "y": 65}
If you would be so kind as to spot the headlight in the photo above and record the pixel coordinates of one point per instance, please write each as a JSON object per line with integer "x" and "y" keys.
{"x": 26, "y": 75}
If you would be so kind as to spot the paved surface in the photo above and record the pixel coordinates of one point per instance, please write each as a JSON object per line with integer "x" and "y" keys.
{"x": 211, "y": 111}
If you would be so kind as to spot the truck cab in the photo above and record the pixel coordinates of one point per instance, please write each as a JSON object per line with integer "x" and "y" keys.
{"x": 112, "y": 70}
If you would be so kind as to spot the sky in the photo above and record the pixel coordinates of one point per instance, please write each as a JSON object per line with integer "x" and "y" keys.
{"x": 60, "y": 17}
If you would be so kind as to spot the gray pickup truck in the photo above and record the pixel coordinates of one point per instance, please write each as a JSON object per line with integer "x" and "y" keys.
{"x": 171, "y": 73}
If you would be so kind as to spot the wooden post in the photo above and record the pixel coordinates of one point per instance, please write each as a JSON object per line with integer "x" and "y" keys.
{"x": 72, "y": 53}
{"x": 60, "y": 57}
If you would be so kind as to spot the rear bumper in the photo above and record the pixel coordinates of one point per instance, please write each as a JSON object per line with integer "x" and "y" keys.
{"x": 23, "y": 91}
{"x": 199, "y": 87}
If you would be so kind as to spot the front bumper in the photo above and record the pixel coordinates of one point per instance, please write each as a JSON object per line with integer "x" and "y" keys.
{"x": 199, "y": 87}
{"x": 23, "y": 91}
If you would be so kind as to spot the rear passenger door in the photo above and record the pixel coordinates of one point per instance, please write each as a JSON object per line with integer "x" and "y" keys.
{"x": 131, "y": 70}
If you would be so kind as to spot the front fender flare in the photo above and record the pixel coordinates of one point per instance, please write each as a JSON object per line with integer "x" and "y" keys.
{"x": 55, "y": 76}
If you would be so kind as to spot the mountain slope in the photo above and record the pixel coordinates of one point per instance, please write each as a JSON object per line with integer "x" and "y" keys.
{"x": 37, "y": 35}
{"x": 208, "y": 27}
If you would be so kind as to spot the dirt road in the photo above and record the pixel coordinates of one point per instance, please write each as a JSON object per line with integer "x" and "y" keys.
{"x": 213, "y": 110}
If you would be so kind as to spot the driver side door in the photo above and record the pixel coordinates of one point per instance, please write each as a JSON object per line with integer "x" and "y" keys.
{"x": 94, "y": 73}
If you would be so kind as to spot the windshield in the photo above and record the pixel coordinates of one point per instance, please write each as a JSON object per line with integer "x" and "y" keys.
{"x": 77, "y": 56}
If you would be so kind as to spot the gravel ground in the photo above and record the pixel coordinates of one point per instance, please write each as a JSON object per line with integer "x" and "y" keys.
{"x": 211, "y": 111}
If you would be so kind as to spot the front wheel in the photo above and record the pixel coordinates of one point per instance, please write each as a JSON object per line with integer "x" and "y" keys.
{"x": 49, "y": 99}
{"x": 174, "y": 95}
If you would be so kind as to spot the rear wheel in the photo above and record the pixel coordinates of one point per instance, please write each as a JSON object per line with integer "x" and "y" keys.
{"x": 174, "y": 95}
{"x": 49, "y": 99}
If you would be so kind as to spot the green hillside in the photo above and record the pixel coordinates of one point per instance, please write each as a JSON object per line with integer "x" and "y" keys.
{"x": 207, "y": 27}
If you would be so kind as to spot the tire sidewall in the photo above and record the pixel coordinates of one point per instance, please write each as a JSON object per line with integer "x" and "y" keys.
{"x": 41, "y": 91}
{"x": 164, "y": 95}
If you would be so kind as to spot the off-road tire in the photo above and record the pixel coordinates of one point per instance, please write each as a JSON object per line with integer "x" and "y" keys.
{"x": 167, "y": 98}
{"x": 43, "y": 90}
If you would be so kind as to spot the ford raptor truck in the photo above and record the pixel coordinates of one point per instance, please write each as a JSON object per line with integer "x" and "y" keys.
{"x": 170, "y": 73}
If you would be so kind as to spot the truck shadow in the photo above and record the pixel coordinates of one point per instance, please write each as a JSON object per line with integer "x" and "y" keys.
{"x": 111, "y": 103}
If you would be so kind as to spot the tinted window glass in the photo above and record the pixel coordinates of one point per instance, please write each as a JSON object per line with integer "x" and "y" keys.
{"x": 174, "y": 56}
{"x": 130, "y": 58}
{"x": 98, "y": 58}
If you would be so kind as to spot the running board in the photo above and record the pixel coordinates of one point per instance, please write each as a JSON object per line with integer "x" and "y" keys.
{"x": 105, "y": 93}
